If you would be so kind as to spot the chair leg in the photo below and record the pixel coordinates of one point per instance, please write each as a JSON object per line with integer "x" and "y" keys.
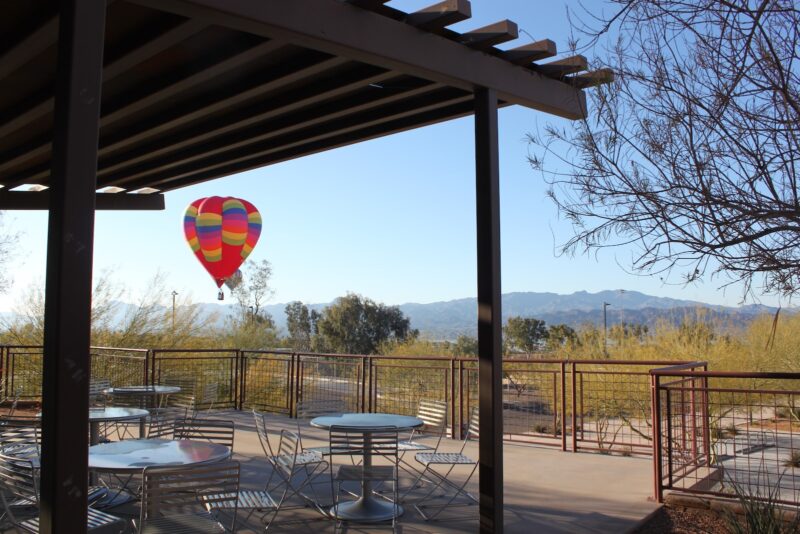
{"x": 457, "y": 491}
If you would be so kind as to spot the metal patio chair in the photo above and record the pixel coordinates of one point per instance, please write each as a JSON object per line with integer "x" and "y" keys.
{"x": 287, "y": 461}
{"x": 175, "y": 500}
{"x": 438, "y": 466}
{"x": 213, "y": 431}
{"x": 97, "y": 396}
{"x": 383, "y": 443}
{"x": 20, "y": 496}
{"x": 434, "y": 417}
{"x": 309, "y": 409}
{"x": 20, "y": 436}
{"x": 162, "y": 422}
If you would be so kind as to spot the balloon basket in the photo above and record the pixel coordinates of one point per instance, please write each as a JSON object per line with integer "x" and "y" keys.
{"x": 220, "y": 295}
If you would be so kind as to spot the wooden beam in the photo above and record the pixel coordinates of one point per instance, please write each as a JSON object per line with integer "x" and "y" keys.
{"x": 171, "y": 91}
{"x": 306, "y": 133}
{"x": 25, "y": 200}
{"x": 488, "y": 36}
{"x": 114, "y": 154}
{"x": 111, "y": 71}
{"x": 440, "y": 15}
{"x": 341, "y": 29}
{"x": 244, "y": 131}
{"x": 368, "y": 4}
{"x": 411, "y": 121}
{"x": 490, "y": 345}
{"x": 68, "y": 289}
{"x": 526, "y": 54}
{"x": 591, "y": 79}
{"x": 562, "y": 67}
{"x": 26, "y": 50}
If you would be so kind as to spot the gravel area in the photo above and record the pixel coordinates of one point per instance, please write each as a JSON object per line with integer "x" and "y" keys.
{"x": 678, "y": 520}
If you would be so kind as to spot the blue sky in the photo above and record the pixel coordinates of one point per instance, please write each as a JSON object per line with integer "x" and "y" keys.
{"x": 392, "y": 219}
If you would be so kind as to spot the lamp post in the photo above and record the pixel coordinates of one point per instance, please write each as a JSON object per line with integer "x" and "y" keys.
{"x": 605, "y": 329}
{"x": 174, "y": 294}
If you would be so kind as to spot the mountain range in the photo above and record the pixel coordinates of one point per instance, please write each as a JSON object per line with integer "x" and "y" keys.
{"x": 449, "y": 319}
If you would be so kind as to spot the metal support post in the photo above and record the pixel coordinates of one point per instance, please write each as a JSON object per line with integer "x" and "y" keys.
{"x": 68, "y": 291}
{"x": 490, "y": 356}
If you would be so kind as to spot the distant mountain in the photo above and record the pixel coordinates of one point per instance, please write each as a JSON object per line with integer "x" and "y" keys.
{"x": 449, "y": 319}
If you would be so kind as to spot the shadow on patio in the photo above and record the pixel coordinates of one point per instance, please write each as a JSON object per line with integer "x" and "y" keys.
{"x": 546, "y": 491}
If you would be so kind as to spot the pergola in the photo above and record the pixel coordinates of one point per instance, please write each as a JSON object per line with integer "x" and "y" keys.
{"x": 106, "y": 104}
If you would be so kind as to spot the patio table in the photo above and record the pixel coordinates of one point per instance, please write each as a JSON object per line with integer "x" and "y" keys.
{"x": 132, "y": 456}
{"x": 142, "y": 392}
{"x": 112, "y": 415}
{"x": 367, "y": 508}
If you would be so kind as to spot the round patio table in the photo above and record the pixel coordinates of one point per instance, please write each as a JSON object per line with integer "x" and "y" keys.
{"x": 142, "y": 392}
{"x": 131, "y": 456}
{"x": 112, "y": 415}
{"x": 367, "y": 508}
{"x": 135, "y": 454}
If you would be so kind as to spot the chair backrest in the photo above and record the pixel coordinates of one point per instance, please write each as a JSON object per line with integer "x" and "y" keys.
{"x": 96, "y": 388}
{"x": 434, "y": 416}
{"x": 473, "y": 429}
{"x": 214, "y": 431}
{"x": 287, "y": 453}
{"x": 309, "y": 409}
{"x": 20, "y": 436}
{"x": 263, "y": 433}
{"x": 162, "y": 422}
{"x": 349, "y": 441}
{"x": 188, "y": 488}
{"x": 18, "y": 478}
{"x": 185, "y": 398}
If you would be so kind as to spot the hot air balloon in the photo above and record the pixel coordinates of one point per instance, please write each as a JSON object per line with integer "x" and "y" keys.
{"x": 222, "y": 232}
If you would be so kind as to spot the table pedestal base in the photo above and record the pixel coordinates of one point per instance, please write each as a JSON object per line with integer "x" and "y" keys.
{"x": 366, "y": 510}
{"x": 114, "y": 497}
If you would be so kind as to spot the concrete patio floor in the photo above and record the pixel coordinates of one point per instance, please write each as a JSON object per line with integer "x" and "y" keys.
{"x": 546, "y": 491}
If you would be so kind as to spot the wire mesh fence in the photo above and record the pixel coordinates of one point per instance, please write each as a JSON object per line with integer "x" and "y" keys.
{"x": 266, "y": 381}
{"x": 728, "y": 434}
{"x": 201, "y": 369}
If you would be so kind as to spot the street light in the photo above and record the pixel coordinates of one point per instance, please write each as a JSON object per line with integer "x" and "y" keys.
{"x": 174, "y": 294}
{"x": 605, "y": 329}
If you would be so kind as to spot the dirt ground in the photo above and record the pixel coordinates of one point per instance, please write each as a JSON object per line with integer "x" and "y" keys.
{"x": 679, "y": 520}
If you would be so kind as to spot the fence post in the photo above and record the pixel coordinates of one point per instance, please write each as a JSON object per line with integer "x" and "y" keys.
{"x": 362, "y": 397}
{"x": 706, "y": 419}
{"x": 371, "y": 400}
{"x": 290, "y": 384}
{"x": 573, "y": 368}
{"x": 452, "y": 398}
{"x": 563, "y": 406}
{"x": 242, "y": 382}
{"x": 656, "y": 416}
{"x": 153, "y": 367}
{"x": 461, "y": 397}
{"x": 298, "y": 383}
{"x": 669, "y": 437}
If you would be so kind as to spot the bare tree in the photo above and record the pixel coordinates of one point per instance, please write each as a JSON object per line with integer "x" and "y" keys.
{"x": 691, "y": 154}
{"x": 7, "y": 241}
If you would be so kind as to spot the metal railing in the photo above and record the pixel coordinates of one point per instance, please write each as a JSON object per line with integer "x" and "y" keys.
{"x": 587, "y": 405}
{"x": 727, "y": 433}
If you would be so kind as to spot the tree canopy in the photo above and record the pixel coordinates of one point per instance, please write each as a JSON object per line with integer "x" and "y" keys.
{"x": 524, "y": 333}
{"x": 357, "y": 325}
{"x": 691, "y": 155}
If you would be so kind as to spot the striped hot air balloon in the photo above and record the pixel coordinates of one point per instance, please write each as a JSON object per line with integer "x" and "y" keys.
{"x": 222, "y": 232}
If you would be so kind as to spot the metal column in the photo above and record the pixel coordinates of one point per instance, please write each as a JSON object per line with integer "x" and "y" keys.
{"x": 490, "y": 364}
{"x": 68, "y": 293}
